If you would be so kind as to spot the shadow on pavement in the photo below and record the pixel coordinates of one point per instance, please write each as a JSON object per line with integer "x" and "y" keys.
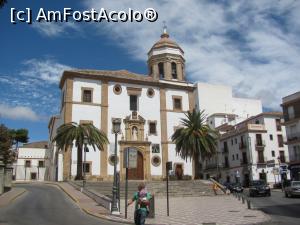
{"x": 281, "y": 211}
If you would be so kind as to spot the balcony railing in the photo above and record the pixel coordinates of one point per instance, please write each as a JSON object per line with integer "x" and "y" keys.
{"x": 244, "y": 161}
{"x": 260, "y": 144}
{"x": 225, "y": 150}
{"x": 294, "y": 158}
{"x": 293, "y": 137}
{"x": 262, "y": 161}
{"x": 211, "y": 166}
{"x": 242, "y": 145}
{"x": 226, "y": 165}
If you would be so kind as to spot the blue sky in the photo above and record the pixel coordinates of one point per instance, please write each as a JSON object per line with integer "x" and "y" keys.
{"x": 253, "y": 46}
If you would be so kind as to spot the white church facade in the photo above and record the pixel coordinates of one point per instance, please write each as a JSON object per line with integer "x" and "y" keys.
{"x": 149, "y": 106}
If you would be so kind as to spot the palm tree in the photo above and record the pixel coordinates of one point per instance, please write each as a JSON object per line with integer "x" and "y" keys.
{"x": 195, "y": 139}
{"x": 2, "y": 3}
{"x": 69, "y": 132}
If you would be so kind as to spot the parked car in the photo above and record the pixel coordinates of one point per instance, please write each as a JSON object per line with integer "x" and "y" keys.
{"x": 259, "y": 187}
{"x": 292, "y": 189}
{"x": 235, "y": 187}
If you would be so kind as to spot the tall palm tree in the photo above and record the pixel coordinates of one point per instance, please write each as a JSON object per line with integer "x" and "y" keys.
{"x": 195, "y": 139}
{"x": 69, "y": 132}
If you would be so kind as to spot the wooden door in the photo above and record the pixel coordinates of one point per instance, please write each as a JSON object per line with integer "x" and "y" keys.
{"x": 138, "y": 172}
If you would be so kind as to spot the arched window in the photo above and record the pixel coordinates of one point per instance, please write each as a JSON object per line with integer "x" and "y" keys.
{"x": 174, "y": 70}
{"x": 161, "y": 70}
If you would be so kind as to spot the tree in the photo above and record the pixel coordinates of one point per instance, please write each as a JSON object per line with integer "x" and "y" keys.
{"x": 5, "y": 145}
{"x": 70, "y": 132}
{"x": 195, "y": 139}
{"x": 19, "y": 136}
{"x": 2, "y": 3}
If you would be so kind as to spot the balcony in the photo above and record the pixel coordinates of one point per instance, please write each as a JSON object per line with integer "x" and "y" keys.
{"x": 242, "y": 145}
{"x": 262, "y": 160}
{"x": 293, "y": 138}
{"x": 295, "y": 158}
{"x": 225, "y": 165}
{"x": 260, "y": 144}
{"x": 211, "y": 166}
{"x": 225, "y": 150}
{"x": 244, "y": 162}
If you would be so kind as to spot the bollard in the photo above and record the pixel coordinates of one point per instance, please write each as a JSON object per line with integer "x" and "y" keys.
{"x": 151, "y": 207}
{"x": 1, "y": 176}
{"x": 248, "y": 204}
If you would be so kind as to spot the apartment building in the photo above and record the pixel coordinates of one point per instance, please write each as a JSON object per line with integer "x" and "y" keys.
{"x": 291, "y": 114}
{"x": 250, "y": 150}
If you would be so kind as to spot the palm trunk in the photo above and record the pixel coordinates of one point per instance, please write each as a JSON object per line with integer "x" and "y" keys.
{"x": 197, "y": 166}
{"x": 79, "y": 164}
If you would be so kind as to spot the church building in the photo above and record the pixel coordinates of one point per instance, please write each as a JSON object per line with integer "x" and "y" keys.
{"x": 149, "y": 106}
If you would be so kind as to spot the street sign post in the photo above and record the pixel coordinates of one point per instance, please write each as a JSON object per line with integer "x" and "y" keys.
{"x": 130, "y": 161}
{"x": 168, "y": 168}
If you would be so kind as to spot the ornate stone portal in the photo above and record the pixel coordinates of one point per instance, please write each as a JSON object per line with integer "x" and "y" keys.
{"x": 135, "y": 138}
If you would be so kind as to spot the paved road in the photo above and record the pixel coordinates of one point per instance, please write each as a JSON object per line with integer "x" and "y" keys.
{"x": 284, "y": 211}
{"x": 45, "y": 205}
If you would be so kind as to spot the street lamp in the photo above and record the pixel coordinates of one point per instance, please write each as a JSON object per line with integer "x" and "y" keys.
{"x": 85, "y": 149}
{"x": 116, "y": 129}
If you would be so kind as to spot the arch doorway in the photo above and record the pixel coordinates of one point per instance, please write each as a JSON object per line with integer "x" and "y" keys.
{"x": 138, "y": 172}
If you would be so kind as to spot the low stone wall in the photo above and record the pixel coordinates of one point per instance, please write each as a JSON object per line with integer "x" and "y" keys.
{"x": 97, "y": 197}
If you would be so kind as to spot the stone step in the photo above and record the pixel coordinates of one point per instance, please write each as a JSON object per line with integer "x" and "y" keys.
{"x": 158, "y": 188}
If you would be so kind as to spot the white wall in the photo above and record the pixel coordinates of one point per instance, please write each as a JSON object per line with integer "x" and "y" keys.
{"x": 87, "y": 112}
{"x": 34, "y": 155}
{"x": 148, "y": 108}
{"x": 219, "y": 99}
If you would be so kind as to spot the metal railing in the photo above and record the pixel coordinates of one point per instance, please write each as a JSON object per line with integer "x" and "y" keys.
{"x": 260, "y": 143}
{"x": 262, "y": 160}
{"x": 242, "y": 145}
{"x": 293, "y": 136}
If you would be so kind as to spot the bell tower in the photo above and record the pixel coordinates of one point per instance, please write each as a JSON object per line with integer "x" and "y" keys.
{"x": 166, "y": 59}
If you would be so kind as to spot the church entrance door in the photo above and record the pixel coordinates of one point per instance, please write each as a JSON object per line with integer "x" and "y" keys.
{"x": 138, "y": 172}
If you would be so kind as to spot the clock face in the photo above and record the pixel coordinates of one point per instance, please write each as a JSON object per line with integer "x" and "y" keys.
{"x": 155, "y": 148}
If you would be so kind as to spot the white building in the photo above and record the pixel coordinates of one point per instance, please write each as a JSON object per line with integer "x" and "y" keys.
{"x": 32, "y": 162}
{"x": 150, "y": 107}
{"x": 291, "y": 113}
{"x": 222, "y": 107}
{"x": 250, "y": 150}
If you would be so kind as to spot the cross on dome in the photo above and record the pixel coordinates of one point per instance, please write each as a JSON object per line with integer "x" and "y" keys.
{"x": 165, "y": 33}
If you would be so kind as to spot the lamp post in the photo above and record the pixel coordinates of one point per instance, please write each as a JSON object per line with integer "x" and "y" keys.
{"x": 85, "y": 148}
{"x": 249, "y": 148}
{"x": 116, "y": 129}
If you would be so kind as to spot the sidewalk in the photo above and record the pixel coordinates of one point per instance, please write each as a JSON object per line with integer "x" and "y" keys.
{"x": 222, "y": 210}
{"x": 8, "y": 197}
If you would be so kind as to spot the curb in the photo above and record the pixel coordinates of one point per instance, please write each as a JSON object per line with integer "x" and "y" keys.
{"x": 88, "y": 211}
{"x": 14, "y": 198}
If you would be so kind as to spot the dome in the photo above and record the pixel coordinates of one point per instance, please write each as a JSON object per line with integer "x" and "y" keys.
{"x": 165, "y": 41}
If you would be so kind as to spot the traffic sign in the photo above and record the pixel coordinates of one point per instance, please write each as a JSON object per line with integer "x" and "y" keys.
{"x": 130, "y": 158}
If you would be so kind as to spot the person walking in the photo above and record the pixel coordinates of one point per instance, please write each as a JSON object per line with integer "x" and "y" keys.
{"x": 141, "y": 198}
{"x": 215, "y": 188}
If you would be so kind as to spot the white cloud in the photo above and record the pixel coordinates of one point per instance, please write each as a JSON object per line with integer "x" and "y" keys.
{"x": 18, "y": 113}
{"x": 54, "y": 29}
{"x": 47, "y": 70}
{"x": 253, "y": 46}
